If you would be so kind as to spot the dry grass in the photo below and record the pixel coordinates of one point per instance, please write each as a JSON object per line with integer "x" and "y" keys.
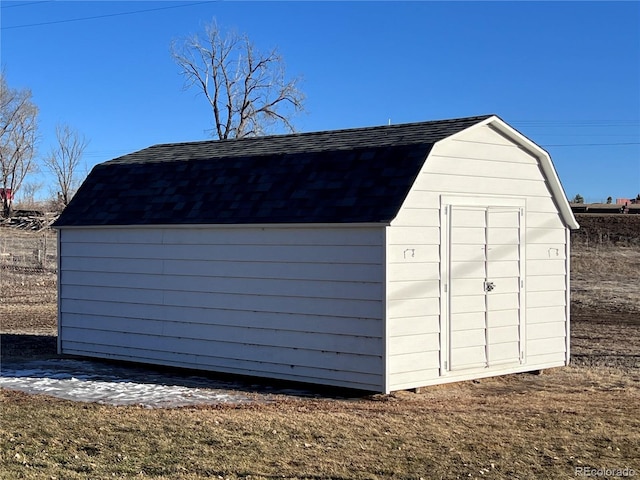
{"x": 511, "y": 427}
{"x": 28, "y": 302}
{"x": 518, "y": 426}
{"x": 605, "y": 279}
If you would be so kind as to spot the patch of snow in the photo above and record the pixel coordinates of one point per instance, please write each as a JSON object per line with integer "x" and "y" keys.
{"x": 88, "y": 381}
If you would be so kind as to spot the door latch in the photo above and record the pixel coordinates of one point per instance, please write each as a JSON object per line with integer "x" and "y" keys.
{"x": 488, "y": 286}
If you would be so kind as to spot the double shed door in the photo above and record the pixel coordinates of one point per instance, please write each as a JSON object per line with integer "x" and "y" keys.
{"x": 483, "y": 282}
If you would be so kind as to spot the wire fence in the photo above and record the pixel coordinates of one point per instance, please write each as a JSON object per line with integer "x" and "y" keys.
{"x": 28, "y": 251}
{"x": 28, "y": 279}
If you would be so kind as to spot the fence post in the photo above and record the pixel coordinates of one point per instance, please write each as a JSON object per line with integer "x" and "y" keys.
{"x": 44, "y": 260}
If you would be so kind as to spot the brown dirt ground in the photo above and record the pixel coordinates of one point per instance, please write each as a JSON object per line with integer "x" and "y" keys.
{"x": 598, "y": 229}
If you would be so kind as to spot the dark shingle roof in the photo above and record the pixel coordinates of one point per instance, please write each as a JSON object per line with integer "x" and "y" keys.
{"x": 343, "y": 176}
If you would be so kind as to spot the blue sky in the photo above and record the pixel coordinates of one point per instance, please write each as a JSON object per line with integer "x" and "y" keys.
{"x": 566, "y": 75}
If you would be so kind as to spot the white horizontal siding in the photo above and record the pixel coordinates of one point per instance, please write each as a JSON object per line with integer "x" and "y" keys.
{"x": 230, "y": 253}
{"x": 546, "y": 287}
{"x": 546, "y": 360}
{"x": 551, "y": 219}
{"x": 413, "y": 296}
{"x": 412, "y": 252}
{"x": 402, "y": 272}
{"x": 488, "y": 186}
{"x": 401, "y": 326}
{"x": 490, "y": 149}
{"x": 408, "y": 344}
{"x": 549, "y": 298}
{"x": 546, "y": 251}
{"x": 478, "y": 162}
{"x": 417, "y": 216}
{"x": 303, "y": 304}
{"x": 166, "y": 331}
{"x": 545, "y": 314}
{"x": 248, "y": 300}
{"x": 539, "y": 331}
{"x": 402, "y": 236}
{"x": 545, "y": 235}
{"x": 413, "y": 362}
{"x": 546, "y": 267}
{"x": 235, "y": 348}
{"x": 231, "y": 285}
{"x": 546, "y": 346}
{"x": 483, "y": 168}
{"x": 402, "y": 290}
{"x": 546, "y": 283}
{"x": 413, "y": 307}
{"x": 93, "y": 309}
{"x": 404, "y": 380}
{"x": 226, "y": 365}
{"x": 206, "y": 235}
{"x": 259, "y": 269}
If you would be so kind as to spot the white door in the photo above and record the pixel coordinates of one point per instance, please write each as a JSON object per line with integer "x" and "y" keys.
{"x": 484, "y": 286}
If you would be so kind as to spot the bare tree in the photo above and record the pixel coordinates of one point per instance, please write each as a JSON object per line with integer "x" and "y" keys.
{"x": 64, "y": 160}
{"x": 246, "y": 89}
{"x": 18, "y": 135}
{"x": 28, "y": 196}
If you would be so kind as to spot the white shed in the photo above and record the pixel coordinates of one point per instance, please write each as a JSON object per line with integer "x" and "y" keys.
{"x": 380, "y": 258}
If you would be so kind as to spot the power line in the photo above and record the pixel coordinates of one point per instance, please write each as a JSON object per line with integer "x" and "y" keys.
{"x": 24, "y": 4}
{"x": 107, "y": 15}
{"x": 569, "y": 124}
{"x": 593, "y": 144}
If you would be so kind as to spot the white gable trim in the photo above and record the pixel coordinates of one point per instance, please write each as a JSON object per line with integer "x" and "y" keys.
{"x": 543, "y": 157}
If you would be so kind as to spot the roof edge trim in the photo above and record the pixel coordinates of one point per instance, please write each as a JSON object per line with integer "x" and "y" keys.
{"x": 546, "y": 163}
{"x": 203, "y": 226}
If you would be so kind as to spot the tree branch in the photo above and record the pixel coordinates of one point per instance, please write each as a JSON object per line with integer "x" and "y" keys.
{"x": 249, "y": 87}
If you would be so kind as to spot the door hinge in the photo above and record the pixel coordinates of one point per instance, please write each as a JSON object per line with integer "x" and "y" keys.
{"x": 446, "y": 210}
{"x": 445, "y": 288}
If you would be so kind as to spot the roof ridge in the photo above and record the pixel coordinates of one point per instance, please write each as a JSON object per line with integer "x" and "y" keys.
{"x": 319, "y": 132}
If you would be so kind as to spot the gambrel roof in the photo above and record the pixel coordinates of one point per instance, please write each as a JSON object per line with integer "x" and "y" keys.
{"x": 344, "y": 176}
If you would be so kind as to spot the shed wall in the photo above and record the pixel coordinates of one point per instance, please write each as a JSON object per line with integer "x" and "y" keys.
{"x": 477, "y": 162}
{"x": 302, "y": 304}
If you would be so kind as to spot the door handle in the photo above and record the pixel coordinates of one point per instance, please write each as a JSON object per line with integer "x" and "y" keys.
{"x": 488, "y": 286}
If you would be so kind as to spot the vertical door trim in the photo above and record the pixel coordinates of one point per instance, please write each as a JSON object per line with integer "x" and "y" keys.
{"x": 462, "y": 200}
{"x": 523, "y": 282}
{"x": 486, "y": 279}
{"x": 445, "y": 228}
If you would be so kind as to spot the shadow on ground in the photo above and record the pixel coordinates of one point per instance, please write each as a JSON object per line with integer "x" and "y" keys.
{"x": 30, "y": 363}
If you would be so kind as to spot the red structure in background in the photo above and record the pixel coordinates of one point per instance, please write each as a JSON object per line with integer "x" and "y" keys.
{"x": 6, "y": 194}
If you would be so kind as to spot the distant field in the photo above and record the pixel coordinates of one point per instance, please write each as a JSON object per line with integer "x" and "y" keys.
{"x": 596, "y": 230}
{"x": 586, "y": 415}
